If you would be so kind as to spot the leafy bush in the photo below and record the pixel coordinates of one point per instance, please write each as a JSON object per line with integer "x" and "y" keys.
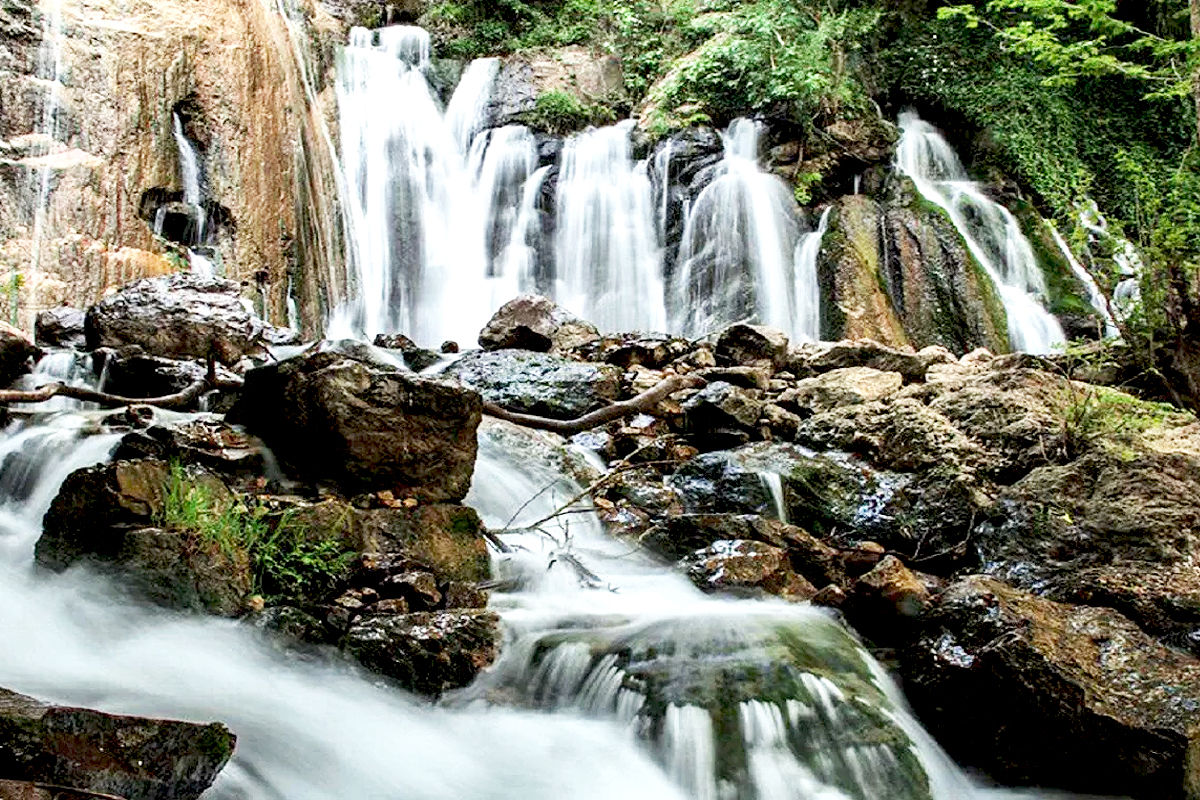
{"x": 562, "y": 112}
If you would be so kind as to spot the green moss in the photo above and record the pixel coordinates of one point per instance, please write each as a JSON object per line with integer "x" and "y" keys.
{"x": 561, "y": 113}
{"x": 1101, "y": 416}
{"x": 1066, "y": 295}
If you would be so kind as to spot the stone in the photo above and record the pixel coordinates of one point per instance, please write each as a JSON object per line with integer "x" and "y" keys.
{"x": 1041, "y": 693}
{"x": 203, "y": 440}
{"x": 130, "y": 372}
{"x": 415, "y": 357}
{"x": 890, "y": 592}
{"x": 649, "y": 350}
{"x": 739, "y": 565}
{"x": 752, "y": 345}
{"x": 60, "y": 327}
{"x": 137, "y": 758}
{"x": 111, "y": 517}
{"x": 330, "y": 417}
{"x": 816, "y": 358}
{"x": 721, "y": 405}
{"x": 427, "y": 653}
{"x": 17, "y": 352}
{"x": 417, "y": 589}
{"x": 538, "y": 383}
{"x": 841, "y": 387}
{"x": 177, "y": 316}
{"x": 533, "y": 322}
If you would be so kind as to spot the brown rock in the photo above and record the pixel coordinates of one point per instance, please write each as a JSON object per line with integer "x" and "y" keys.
{"x": 533, "y": 322}
{"x": 17, "y": 352}
{"x": 752, "y": 345}
{"x": 738, "y": 564}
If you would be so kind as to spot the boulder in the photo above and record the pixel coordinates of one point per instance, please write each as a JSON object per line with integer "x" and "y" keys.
{"x": 538, "y": 383}
{"x": 533, "y": 322}
{"x": 885, "y": 602}
{"x": 203, "y": 440}
{"x": 738, "y": 565}
{"x": 130, "y": 372}
{"x": 363, "y": 426}
{"x": 17, "y": 352}
{"x": 415, "y": 357}
{"x": 721, "y": 405}
{"x": 137, "y": 758}
{"x": 650, "y": 350}
{"x": 752, "y": 345}
{"x": 807, "y": 359}
{"x": 183, "y": 315}
{"x": 427, "y": 653}
{"x": 113, "y": 517}
{"x": 60, "y": 327}
{"x": 1037, "y": 692}
{"x": 842, "y": 387}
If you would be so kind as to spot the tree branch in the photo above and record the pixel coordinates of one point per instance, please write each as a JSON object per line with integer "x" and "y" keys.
{"x": 181, "y": 399}
{"x": 646, "y": 401}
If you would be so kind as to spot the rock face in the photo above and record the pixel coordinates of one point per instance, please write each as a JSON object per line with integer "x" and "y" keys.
{"x": 331, "y": 417}
{"x": 132, "y": 757}
{"x": 538, "y": 383}
{"x": 16, "y": 352}
{"x": 429, "y": 652}
{"x": 1074, "y": 696}
{"x": 532, "y": 322}
{"x": 177, "y": 316}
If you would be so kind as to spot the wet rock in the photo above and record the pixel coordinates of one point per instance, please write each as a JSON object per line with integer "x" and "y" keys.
{"x": 183, "y": 315}
{"x": 112, "y": 516}
{"x": 1112, "y": 528}
{"x": 330, "y": 417}
{"x": 418, "y": 589}
{"x": 427, "y": 653}
{"x": 650, "y": 350}
{"x": 752, "y": 345}
{"x": 842, "y": 387}
{"x": 60, "y": 327}
{"x": 744, "y": 377}
{"x": 206, "y": 441}
{"x": 533, "y": 322}
{"x": 17, "y": 352}
{"x": 130, "y": 372}
{"x": 740, "y": 565}
{"x": 415, "y": 357}
{"x": 721, "y": 405}
{"x": 133, "y": 757}
{"x": 816, "y": 358}
{"x": 1036, "y": 692}
{"x": 887, "y": 596}
{"x": 538, "y": 383}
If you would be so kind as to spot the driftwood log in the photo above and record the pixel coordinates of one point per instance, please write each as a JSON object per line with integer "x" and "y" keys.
{"x": 181, "y": 399}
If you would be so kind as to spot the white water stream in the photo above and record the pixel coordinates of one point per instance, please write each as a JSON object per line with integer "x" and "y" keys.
{"x": 991, "y": 232}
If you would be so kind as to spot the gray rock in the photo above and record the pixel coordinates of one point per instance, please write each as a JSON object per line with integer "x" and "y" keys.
{"x": 533, "y": 322}
{"x": 739, "y": 565}
{"x": 538, "y": 383}
{"x": 60, "y": 327}
{"x": 722, "y": 405}
{"x": 752, "y": 345}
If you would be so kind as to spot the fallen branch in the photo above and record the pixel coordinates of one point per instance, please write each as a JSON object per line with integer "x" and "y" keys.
{"x": 181, "y": 399}
{"x": 646, "y": 401}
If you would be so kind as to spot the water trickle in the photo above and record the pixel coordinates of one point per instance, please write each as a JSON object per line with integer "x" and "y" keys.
{"x": 609, "y": 264}
{"x": 991, "y": 233}
{"x": 736, "y": 257}
{"x": 1095, "y": 297}
{"x": 807, "y": 285}
{"x": 50, "y": 74}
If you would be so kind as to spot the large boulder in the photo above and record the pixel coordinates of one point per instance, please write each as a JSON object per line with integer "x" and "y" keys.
{"x": 183, "y": 315}
{"x": 428, "y": 652}
{"x": 1037, "y": 692}
{"x": 17, "y": 352}
{"x": 538, "y": 383}
{"x": 740, "y": 565}
{"x": 809, "y": 358}
{"x": 132, "y": 757}
{"x": 533, "y": 322}
{"x": 364, "y": 426}
{"x": 752, "y": 345}
{"x": 842, "y": 387}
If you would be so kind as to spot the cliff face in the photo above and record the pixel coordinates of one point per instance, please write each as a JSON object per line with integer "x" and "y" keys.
{"x": 87, "y": 161}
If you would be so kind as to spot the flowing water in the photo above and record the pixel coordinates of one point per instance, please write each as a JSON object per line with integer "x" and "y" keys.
{"x": 49, "y": 74}
{"x": 991, "y": 232}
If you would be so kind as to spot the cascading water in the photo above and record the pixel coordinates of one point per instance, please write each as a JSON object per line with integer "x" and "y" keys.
{"x": 990, "y": 231}
{"x": 49, "y": 73}
{"x": 1095, "y": 297}
{"x": 738, "y": 255}
{"x": 191, "y": 176}
{"x": 807, "y": 303}
{"x": 609, "y": 264}
{"x": 1128, "y": 291}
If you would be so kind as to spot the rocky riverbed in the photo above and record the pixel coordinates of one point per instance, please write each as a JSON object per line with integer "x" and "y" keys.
{"x": 1017, "y": 544}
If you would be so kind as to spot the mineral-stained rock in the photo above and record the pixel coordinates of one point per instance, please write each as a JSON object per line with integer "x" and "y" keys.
{"x": 888, "y": 594}
{"x": 330, "y": 417}
{"x": 133, "y": 757}
{"x": 17, "y": 352}
{"x": 538, "y": 383}
{"x": 533, "y": 322}
{"x": 429, "y": 652}
{"x": 177, "y": 316}
{"x": 1038, "y": 692}
{"x": 739, "y": 565}
{"x": 60, "y": 327}
{"x": 752, "y": 345}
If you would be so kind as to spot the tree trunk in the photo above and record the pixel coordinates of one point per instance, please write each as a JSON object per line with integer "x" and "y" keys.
{"x": 1194, "y": 8}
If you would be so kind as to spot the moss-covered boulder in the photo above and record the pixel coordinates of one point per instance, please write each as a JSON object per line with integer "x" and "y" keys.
{"x": 132, "y": 757}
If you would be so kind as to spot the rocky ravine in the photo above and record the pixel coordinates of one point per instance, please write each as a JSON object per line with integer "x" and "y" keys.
{"x": 1019, "y": 544}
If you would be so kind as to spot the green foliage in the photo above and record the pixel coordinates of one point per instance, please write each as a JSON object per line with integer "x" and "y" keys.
{"x": 1098, "y": 415}
{"x": 11, "y": 292}
{"x": 286, "y": 563}
{"x": 562, "y": 112}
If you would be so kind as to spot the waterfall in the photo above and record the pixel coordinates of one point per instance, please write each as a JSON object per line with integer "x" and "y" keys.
{"x": 807, "y": 302}
{"x": 737, "y": 254}
{"x": 992, "y": 234}
{"x": 1095, "y": 297}
{"x": 1128, "y": 292}
{"x": 608, "y": 264}
{"x": 49, "y": 73}
{"x": 191, "y": 176}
